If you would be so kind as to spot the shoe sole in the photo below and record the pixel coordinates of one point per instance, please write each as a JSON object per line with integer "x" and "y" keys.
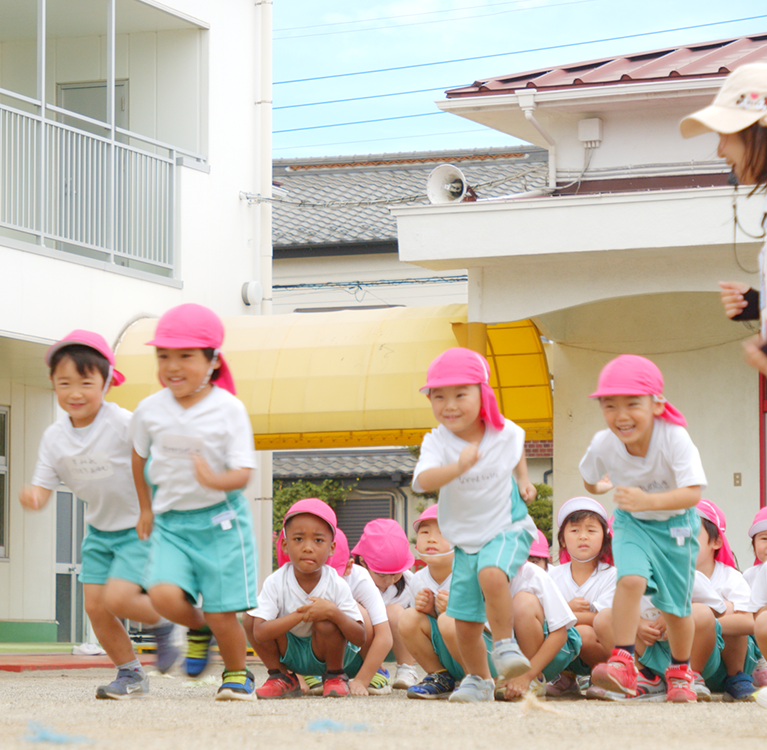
{"x": 458, "y": 698}
{"x": 513, "y": 669}
{"x": 425, "y": 697}
{"x": 334, "y": 694}
{"x": 681, "y": 699}
{"x": 380, "y": 691}
{"x": 102, "y": 695}
{"x": 402, "y": 685}
{"x": 608, "y": 683}
{"x": 291, "y": 694}
{"x": 727, "y": 698}
{"x": 226, "y": 694}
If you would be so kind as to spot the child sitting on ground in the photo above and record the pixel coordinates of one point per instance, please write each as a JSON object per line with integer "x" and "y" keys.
{"x": 758, "y": 534}
{"x": 539, "y": 552}
{"x": 307, "y": 621}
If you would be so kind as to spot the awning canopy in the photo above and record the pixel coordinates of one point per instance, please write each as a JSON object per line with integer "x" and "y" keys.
{"x": 352, "y": 378}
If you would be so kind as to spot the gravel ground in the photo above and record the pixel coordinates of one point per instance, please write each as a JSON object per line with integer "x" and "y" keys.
{"x": 180, "y": 714}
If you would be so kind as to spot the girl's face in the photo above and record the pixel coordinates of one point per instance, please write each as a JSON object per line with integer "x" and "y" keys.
{"x": 457, "y": 407}
{"x": 541, "y": 562}
{"x": 384, "y": 580}
{"x": 584, "y": 538}
{"x": 759, "y": 542}
{"x": 733, "y": 150}
{"x": 183, "y": 372}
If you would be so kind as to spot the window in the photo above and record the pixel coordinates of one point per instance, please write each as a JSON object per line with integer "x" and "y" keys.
{"x": 4, "y": 423}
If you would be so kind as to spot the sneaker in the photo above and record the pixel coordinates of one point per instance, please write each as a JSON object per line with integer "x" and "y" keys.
{"x": 650, "y": 690}
{"x": 565, "y": 684}
{"x": 473, "y": 689}
{"x": 700, "y": 688}
{"x": 508, "y": 660}
{"x": 127, "y": 684}
{"x": 279, "y": 685}
{"x": 618, "y": 674}
{"x": 406, "y": 677}
{"x": 197, "y": 651}
{"x": 537, "y": 688}
{"x": 434, "y": 686}
{"x": 167, "y": 651}
{"x": 759, "y": 674}
{"x": 237, "y": 686}
{"x": 679, "y": 679}
{"x": 380, "y": 684}
{"x": 738, "y": 688}
{"x": 335, "y": 685}
{"x": 314, "y": 683}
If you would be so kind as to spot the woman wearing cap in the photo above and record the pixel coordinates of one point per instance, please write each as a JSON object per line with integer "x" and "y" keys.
{"x": 739, "y": 115}
{"x": 192, "y": 455}
{"x": 88, "y": 449}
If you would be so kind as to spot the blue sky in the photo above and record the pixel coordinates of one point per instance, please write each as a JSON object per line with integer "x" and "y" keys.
{"x": 326, "y": 42}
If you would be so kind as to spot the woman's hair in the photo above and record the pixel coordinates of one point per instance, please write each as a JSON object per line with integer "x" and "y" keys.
{"x": 399, "y": 585}
{"x": 85, "y": 358}
{"x": 605, "y": 553}
{"x": 754, "y": 140}
{"x": 209, "y": 353}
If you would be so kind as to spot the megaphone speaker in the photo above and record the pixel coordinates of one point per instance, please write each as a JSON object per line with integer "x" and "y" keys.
{"x": 446, "y": 184}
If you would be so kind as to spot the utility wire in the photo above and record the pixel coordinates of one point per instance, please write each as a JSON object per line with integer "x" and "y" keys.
{"x": 359, "y": 122}
{"x": 362, "y": 98}
{"x": 393, "y": 138}
{"x": 519, "y": 52}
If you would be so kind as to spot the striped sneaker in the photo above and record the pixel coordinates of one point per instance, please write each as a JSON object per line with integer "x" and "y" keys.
{"x": 237, "y": 686}
{"x": 197, "y": 651}
{"x": 380, "y": 684}
{"x": 314, "y": 683}
{"x": 434, "y": 686}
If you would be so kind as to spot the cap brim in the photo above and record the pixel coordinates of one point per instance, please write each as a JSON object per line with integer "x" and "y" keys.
{"x": 718, "y": 119}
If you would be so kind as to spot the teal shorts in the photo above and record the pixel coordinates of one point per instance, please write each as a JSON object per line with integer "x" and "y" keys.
{"x": 446, "y": 658}
{"x": 565, "y": 656}
{"x": 715, "y": 682}
{"x": 194, "y": 550}
{"x": 657, "y": 657}
{"x": 649, "y": 549}
{"x": 114, "y": 554}
{"x": 300, "y": 658}
{"x": 507, "y": 551}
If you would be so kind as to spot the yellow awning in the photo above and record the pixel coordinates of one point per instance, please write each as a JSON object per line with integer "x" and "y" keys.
{"x": 351, "y": 378}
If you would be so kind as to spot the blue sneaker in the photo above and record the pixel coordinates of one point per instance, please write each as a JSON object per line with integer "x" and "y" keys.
{"x": 434, "y": 686}
{"x": 128, "y": 684}
{"x": 197, "y": 651}
{"x": 738, "y": 688}
{"x": 380, "y": 683}
{"x": 167, "y": 651}
{"x": 237, "y": 686}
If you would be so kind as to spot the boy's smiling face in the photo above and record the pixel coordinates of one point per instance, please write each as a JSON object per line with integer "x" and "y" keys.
{"x": 308, "y": 543}
{"x": 457, "y": 407}
{"x": 631, "y": 418}
{"x": 80, "y": 396}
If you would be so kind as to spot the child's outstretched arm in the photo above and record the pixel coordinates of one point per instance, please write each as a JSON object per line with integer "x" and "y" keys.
{"x": 33, "y": 497}
{"x": 146, "y": 516}
{"x": 231, "y": 479}
{"x": 433, "y": 479}
{"x": 636, "y": 500}
{"x": 526, "y": 487}
{"x": 517, "y": 686}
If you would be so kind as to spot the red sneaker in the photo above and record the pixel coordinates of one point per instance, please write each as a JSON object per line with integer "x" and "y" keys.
{"x": 619, "y": 673}
{"x": 679, "y": 680}
{"x": 335, "y": 686}
{"x": 279, "y": 686}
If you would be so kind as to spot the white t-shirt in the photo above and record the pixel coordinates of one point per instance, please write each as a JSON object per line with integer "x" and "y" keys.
{"x": 217, "y": 427}
{"x": 475, "y": 507}
{"x": 367, "y": 594}
{"x": 759, "y": 589}
{"x": 703, "y": 592}
{"x": 751, "y": 573}
{"x": 556, "y": 610}
{"x": 672, "y": 461}
{"x": 423, "y": 579}
{"x": 598, "y": 590}
{"x": 731, "y": 586}
{"x": 95, "y": 464}
{"x": 390, "y": 596}
{"x": 282, "y": 594}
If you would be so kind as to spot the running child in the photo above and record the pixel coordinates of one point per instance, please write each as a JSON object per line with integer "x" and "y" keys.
{"x": 88, "y": 449}
{"x": 647, "y": 455}
{"x": 307, "y": 621}
{"x": 586, "y": 577}
{"x": 192, "y": 455}
{"x": 384, "y": 551}
{"x": 476, "y": 459}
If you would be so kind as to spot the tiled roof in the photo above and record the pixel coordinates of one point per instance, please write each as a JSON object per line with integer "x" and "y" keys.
{"x": 692, "y": 61}
{"x": 343, "y": 463}
{"x": 389, "y": 177}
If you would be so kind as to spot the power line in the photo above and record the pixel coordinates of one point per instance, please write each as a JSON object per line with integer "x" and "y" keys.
{"x": 359, "y": 122}
{"x": 519, "y": 52}
{"x": 425, "y": 23}
{"x": 361, "y": 98}
{"x": 486, "y": 131}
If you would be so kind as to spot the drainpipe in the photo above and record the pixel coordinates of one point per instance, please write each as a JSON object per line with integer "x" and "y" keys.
{"x": 526, "y": 99}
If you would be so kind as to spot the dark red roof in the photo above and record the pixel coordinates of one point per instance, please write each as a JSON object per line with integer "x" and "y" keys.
{"x": 693, "y": 61}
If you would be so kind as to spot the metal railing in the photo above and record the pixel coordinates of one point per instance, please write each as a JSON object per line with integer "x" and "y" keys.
{"x": 84, "y": 193}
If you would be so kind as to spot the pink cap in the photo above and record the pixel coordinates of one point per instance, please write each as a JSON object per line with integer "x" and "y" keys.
{"x": 94, "y": 341}
{"x": 315, "y": 507}
{"x": 707, "y": 509}
{"x": 429, "y": 514}
{"x": 631, "y": 375}
{"x": 459, "y": 366}
{"x": 337, "y": 560}
{"x": 540, "y": 547}
{"x": 384, "y": 547}
{"x": 191, "y": 326}
{"x": 759, "y": 524}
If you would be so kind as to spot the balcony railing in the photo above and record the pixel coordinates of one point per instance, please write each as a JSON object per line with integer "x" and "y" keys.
{"x": 75, "y": 191}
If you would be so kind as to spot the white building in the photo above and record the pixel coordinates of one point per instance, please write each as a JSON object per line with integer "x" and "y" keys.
{"x": 128, "y": 130}
{"x": 623, "y": 255}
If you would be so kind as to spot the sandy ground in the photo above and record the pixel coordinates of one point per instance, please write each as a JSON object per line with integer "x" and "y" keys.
{"x": 180, "y": 714}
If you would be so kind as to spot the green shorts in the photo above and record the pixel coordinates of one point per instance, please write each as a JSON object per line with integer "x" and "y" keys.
{"x": 447, "y": 660}
{"x": 565, "y": 656}
{"x": 210, "y": 552}
{"x": 715, "y": 682}
{"x": 507, "y": 551}
{"x": 650, "y": 549}
{"x": 657, "y": 656}
{"x": 114, "y": 554}
{"x": 300, "y": 658}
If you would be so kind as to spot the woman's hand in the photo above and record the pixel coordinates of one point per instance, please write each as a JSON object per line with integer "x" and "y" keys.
{"x": 733, "y": 301}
